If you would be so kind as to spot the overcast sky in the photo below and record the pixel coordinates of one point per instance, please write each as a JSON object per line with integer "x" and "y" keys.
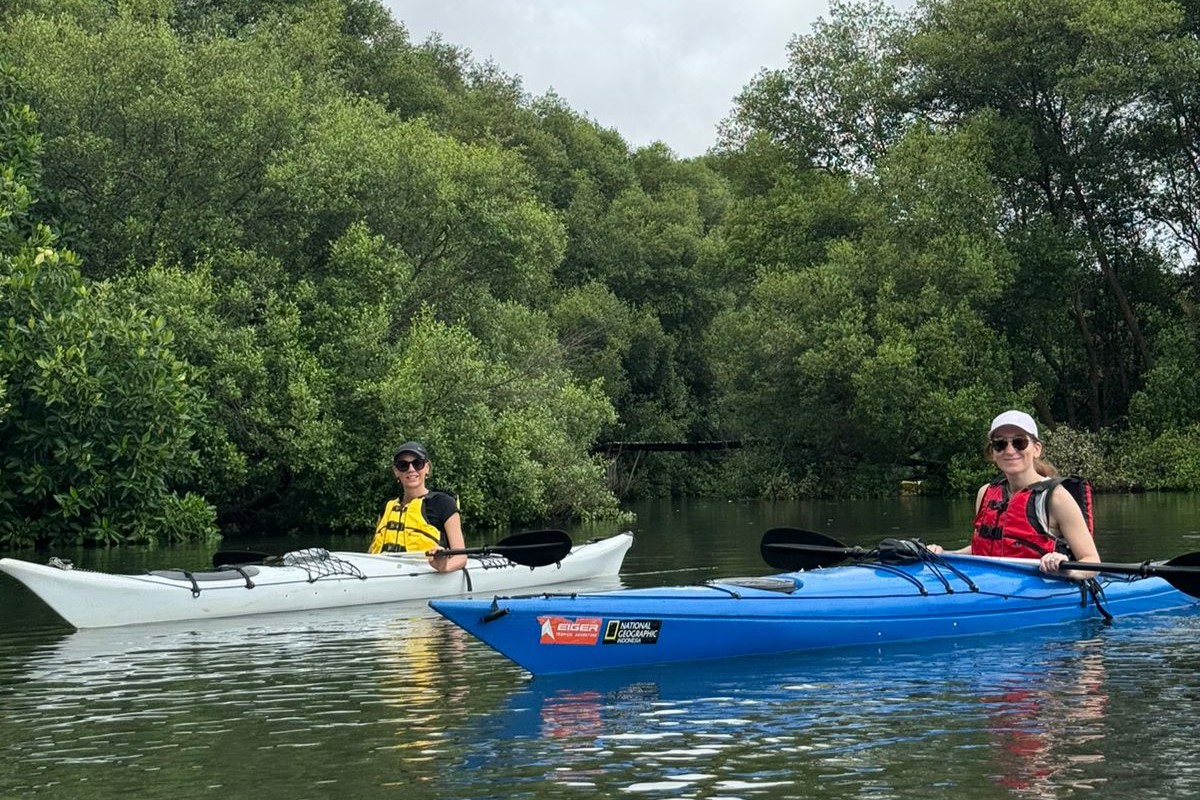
{"x": 653, "y": 69}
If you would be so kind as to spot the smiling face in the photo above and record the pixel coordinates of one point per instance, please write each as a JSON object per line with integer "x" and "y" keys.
{"x": 1005, "y": 450}
{"x": 410, "y": 470}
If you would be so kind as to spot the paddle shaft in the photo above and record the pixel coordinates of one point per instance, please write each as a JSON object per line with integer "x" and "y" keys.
{"x": 817, "y": 548}
{"x": 530, "y": 548}
{"x": 493, "y": 549}
{"x": 1144, "y": 570}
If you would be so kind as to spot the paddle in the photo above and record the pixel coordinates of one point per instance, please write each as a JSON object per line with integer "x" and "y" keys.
{"x": 529, "y": 548}
{"x": 1182, "y": 572}
{"x": 795, "y": 549}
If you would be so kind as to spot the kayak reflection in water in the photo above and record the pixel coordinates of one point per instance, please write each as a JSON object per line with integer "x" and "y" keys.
{"x": 422, "y": 520}
{"x": 1043, "y": 735}
{"x": 1026, "y": 512}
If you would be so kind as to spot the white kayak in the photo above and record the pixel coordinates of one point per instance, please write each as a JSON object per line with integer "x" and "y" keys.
{"x": 303, "y": 580}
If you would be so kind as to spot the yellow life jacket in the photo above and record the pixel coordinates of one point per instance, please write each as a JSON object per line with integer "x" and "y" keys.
{"x": 403, "y": 529}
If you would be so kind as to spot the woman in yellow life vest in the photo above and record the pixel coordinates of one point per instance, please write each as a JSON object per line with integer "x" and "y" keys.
{"x": 421, "y": 520}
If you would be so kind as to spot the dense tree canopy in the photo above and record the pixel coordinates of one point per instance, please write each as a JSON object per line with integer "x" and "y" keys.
{"x": 1025, "y": 173}
{"x": 249, "y": 246}
{"x": 97, "y": 413}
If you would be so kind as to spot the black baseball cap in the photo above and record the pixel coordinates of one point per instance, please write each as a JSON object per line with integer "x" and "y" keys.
{"x": 416, "y": 448}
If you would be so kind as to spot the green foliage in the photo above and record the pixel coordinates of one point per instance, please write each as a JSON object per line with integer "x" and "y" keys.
{"x": 1170, "y": 394}
{"x": 967, "y": 471}
{"x": 504, "y": 434}
{"x": 311, "y": 393}
{"x": 878, "y": 352}
{"x": 464, "y": 215}
{"x": 270, "y": 440}
{"x": 20, "y": 144}
{"x": 314, "y": 238}
{"x": 658, "y": 170}
{"x": 791, "y": 224}
{"x": 784, "y": 362}
{"x": 1097, "y": 199}
{"x": 1170, "y": 460}
{"x": 839, "y": 102}
{"x": 628, "y": 351}
{"x": 96, "y": 410}
{"x": 101, "y": 418}
{"x": 1081, "y": 452}
{"x": 291, "y": 234}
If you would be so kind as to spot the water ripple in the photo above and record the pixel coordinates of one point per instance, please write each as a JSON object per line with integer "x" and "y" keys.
{"x": 373, "y": 702}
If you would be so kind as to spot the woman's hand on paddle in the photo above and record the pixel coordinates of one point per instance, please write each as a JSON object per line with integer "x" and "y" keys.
{"x": 438, "y": 558}
{"x": 1051, "y": 562}
{"x": 936, "y": 549}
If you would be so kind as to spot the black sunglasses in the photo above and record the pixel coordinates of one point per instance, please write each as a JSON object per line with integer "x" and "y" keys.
{"x": 419, "y": 464}
{"x": 1019, "y": 444}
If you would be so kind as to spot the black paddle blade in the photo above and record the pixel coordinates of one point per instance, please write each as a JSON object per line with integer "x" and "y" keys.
{"x": 223, "y": 558}
{"x": 533, "y": 548}
{"x": 1187, "y": 579}
{"x": 794, "y": 549}
{"x": 1185, "y": 560}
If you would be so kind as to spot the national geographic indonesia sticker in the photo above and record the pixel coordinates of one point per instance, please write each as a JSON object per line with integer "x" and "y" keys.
{"x": 632, "y": 631}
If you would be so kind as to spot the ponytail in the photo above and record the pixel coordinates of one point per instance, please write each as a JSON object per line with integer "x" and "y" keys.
{"x": 1045, "y": 468}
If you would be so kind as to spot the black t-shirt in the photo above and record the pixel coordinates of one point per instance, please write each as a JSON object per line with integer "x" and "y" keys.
{"x": 437, "y": 507}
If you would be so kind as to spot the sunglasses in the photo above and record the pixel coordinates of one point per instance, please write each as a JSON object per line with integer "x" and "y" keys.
{"x": 1019, "y": 444}
{"x": 419, "y": 464}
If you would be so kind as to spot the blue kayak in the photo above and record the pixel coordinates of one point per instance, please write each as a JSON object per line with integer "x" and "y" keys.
{"x": 857, "y": 604}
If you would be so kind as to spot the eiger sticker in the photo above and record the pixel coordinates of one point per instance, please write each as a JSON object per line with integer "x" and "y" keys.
{"x": 560, "y": 630}
{"x": 632, "y": 631}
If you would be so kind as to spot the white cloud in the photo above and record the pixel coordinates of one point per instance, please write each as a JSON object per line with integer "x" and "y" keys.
{"x": 654, "y": 70}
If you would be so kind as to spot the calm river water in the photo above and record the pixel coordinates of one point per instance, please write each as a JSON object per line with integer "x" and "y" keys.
{"x": 392, "y": 702}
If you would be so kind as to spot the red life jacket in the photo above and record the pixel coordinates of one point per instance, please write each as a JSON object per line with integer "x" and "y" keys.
{"x": 1019, "y": 526}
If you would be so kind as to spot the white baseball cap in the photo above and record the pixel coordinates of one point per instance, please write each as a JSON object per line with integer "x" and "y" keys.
{"x": 1018, "y": 419}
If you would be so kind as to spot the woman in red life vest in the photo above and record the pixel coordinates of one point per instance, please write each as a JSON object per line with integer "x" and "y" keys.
{"x": 1025, "y": 513}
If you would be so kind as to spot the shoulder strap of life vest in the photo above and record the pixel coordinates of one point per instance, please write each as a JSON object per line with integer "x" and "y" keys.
{"x": 1078, "y": 488}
